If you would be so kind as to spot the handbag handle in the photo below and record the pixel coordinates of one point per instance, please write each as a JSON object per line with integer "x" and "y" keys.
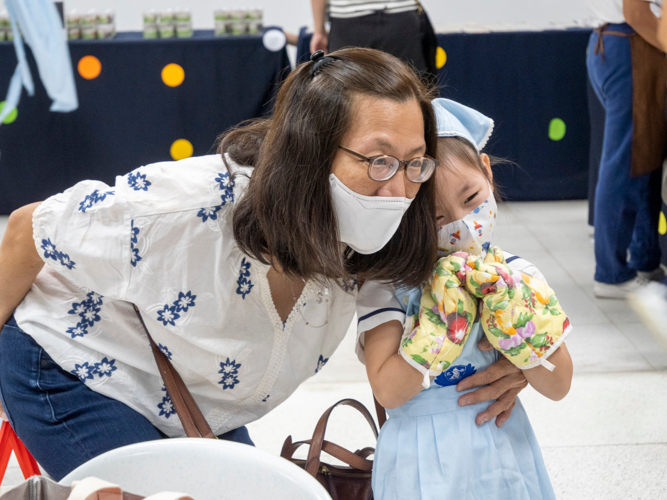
{"x": 193, "y": 421}
{"x": 313, "y": 461}
{"x": 358, "y": 460}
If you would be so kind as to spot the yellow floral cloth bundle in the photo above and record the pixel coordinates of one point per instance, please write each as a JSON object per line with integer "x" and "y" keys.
{"x": 520, "y": 315}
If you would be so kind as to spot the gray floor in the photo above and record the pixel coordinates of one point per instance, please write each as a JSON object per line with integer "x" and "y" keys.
{"x": 605, "y": 440}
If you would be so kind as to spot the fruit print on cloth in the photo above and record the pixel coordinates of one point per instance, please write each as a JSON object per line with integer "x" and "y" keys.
{"x": 520, "y": 315}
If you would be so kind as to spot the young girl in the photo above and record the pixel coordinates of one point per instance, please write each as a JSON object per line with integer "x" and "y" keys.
{"x": 430, "y": 448}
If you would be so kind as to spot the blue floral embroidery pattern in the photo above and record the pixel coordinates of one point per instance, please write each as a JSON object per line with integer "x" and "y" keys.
{"x": 50, "y": 252}
{"x": 105, "y": 367}
{"x": 454, "y": 374}
{"x": 88, "y": 311}
{"x": 165, "y": 350}
{"x": 209, "y": 213}
{"x": 93, "y": 198}
{"x": 266, "y": 398}
{"x": 230, "y": 372}
{"x": 184, "y": 301}
{"x": 84, "y": 371}
{"x": 138, "y": 181}
{"x": 166, "y": 407}
{"x": 134, "y": 239}
{"x": 244, "y": 284}
{"x": 320, "y": 363}
{"x": 226, "y": 186}
{"x": 169, "y": 313}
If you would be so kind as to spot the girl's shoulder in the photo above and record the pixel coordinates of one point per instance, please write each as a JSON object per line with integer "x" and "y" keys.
{"x": 202, "y": 182}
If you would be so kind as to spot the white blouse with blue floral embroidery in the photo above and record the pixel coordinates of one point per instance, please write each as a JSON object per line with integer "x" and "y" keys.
{"x": 162, "y": 239}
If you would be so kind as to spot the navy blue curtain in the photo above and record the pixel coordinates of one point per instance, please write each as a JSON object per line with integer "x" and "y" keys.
{"x": 127, "y": 116}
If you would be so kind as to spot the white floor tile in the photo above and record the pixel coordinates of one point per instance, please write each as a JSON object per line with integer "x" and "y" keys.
{"x": 602, "y": 409}
{"x": 632, "y": 472}
{"x": 654, "y": 351}
{"x": 603, "y": 348}
{"x": 617, "y": 310}
{"x": 544, "y": 213}
{"x": 580, "y": 308}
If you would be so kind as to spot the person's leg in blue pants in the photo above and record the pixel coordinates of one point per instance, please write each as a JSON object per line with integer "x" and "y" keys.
{"x": 645, "y": 254}
{"x": 621, "y": 204}
{"x": 62, "y": 422}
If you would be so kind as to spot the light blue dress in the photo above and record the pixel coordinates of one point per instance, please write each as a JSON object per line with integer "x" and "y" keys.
{"x": 431, "y": 448}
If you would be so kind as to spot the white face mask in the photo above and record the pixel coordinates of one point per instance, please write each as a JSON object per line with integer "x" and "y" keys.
{"x": 366, "y": 223}
{"x": 473, "y": 233}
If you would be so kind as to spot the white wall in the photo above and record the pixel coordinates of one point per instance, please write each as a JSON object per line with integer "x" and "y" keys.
{"x": 292, "y": 14}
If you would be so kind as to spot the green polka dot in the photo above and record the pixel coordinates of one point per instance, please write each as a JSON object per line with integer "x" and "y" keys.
{"x": 11, "y": 116}
{"x": 556, "y": 129}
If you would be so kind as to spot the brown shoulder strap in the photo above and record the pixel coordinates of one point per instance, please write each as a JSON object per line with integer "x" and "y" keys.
{"x": 188, "y": 411}
{"x": 313, "y": 462}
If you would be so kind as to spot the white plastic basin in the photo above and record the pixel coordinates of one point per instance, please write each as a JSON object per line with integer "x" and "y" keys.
{"x": 206, "y": 469}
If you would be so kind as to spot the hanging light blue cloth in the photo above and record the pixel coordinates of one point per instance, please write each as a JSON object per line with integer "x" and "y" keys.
{"x": 41, "y": 27}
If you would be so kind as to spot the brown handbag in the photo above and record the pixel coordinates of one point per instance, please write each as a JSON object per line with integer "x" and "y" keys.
{"x": 351, "y": 481}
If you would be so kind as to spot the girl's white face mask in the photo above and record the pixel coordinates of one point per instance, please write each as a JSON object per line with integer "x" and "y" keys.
{"x": 473, "y": 233}
{"x": 366, "y": 223}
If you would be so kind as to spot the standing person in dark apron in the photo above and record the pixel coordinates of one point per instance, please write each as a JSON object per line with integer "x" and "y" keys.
{"x": 393, "y": 26}
{"x": 628, "y": 70}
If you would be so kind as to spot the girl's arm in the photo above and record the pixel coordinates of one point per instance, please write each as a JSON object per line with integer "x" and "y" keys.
{"x": 393, "y": 381}
{"x": 556, "y": 384}
{"x": 19, "y": 261}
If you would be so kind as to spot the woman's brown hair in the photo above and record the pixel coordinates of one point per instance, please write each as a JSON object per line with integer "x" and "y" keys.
{"x": 286, "y": 215}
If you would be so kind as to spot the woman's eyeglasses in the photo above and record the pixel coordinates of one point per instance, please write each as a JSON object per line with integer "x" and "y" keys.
{"x": 383, "y": 167}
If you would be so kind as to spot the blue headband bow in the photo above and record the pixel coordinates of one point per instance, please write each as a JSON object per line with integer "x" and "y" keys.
{"x": 456, "y": 120}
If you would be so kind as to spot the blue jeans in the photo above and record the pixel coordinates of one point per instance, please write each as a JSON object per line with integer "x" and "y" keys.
{"x": 61, "y": 421}
{"x": 626, "y": 208}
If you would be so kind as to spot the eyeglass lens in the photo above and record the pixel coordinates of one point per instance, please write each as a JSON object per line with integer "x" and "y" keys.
{"x": 384, "y": 167}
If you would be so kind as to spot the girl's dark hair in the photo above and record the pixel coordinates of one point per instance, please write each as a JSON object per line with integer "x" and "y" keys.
{"x": 286, "y": 215}
{"x": 458, "y": 148}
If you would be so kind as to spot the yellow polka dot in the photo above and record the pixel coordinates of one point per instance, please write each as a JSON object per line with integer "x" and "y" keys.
{"x": 173, "y": 75}
{"x": 89, "y": 67}
{"x": 181, "y": 148}
{"x": 662, "y": 225}
{"x": 11, "y": 116}
{"x": 440, "y": 57}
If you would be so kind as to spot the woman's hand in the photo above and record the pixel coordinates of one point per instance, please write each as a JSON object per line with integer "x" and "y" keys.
{"x": 503, "y": 382}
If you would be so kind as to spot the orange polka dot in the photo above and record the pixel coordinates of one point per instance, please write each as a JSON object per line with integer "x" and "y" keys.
{"x": 89, "y": 67}
{"x": 173, "y": 75}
